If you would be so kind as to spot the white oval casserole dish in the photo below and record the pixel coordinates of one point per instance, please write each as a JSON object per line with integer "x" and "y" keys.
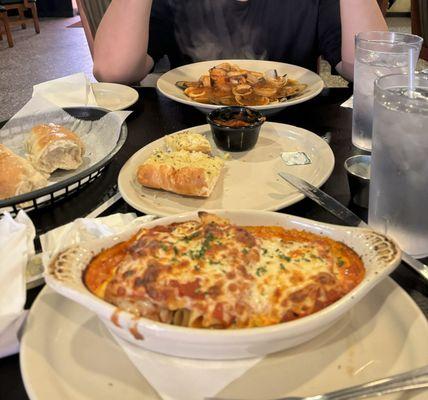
{"x": 379, "y": 254}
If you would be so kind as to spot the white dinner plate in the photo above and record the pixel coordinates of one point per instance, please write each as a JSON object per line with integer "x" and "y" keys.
{"x": 192, "y": 72}
{"x": 113, "y": 96}
{"x": 67, "y": 353}
{"x": 249, "y": 179}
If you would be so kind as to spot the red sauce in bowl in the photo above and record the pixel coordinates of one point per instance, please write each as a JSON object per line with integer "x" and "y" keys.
{"x": 233, "y": 123}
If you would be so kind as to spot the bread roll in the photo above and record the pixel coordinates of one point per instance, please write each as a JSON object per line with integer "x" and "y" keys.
{"x": 188, "y": 141}
{"x": 51, "y": 147}
{"x": 182, "y": 172}
{"x": 17, "y": 175}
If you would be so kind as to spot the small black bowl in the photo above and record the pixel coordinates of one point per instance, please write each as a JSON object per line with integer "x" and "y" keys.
{"x": 235, "y": 138}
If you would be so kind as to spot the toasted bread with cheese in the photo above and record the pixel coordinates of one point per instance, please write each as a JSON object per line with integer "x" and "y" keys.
{"x": 188, "y": 141}
{"x": 182, "y": 172}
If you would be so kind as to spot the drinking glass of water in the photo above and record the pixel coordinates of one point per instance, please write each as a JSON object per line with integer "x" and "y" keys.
{"x": 399, "y": 166}
{"x": 376, "y": 54}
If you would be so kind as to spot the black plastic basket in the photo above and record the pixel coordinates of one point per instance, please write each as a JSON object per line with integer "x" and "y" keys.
{"x": 57, "y": 191}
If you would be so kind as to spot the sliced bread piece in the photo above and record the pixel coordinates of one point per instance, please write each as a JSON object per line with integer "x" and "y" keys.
{"x": 17, "y": 175}
{"x": 182, "y": 172}
{"x": 51, "y": 147}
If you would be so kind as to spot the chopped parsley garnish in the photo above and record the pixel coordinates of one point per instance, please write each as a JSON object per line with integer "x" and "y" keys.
{"x": 164, "y": 247}
{"x": 197, "y": 268}
{"x": 191, "y": 236}
{"x": 283, "y": 257}
{"x": 260, "y": 271}
{"x": 194, "y": 255}
{"x": 340, "y": 262}
{"x": 206, "y": 244}
{"x": 264, "y": 251}
{"x": 175, "y": 250}
{"x": 282, "y": 266}
{"x": 244, "y": 251}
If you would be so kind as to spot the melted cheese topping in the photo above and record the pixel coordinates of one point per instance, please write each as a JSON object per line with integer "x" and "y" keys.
{"x": 212, "y": 274}
{"x": 188, "y": 141}
{"x": 182, "y": 159}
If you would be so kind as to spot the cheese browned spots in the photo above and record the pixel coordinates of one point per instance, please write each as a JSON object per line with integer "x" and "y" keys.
{"x": 212, "y": 274}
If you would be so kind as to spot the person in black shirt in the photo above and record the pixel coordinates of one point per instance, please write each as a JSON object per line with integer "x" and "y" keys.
{"x": 134, "y": 34}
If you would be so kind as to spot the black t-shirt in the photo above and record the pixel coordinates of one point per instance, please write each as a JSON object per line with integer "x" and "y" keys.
{"x": 292, "y": 31}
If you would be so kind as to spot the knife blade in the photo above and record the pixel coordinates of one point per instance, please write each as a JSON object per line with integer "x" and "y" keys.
{"x": 343, "y": 213}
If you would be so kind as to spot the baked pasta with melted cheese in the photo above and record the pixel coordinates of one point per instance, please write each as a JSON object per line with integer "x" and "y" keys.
{"x": 210, "y": 273}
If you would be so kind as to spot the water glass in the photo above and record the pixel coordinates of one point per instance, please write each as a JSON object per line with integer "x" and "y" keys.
{"x": 399, "y": 166}
{"x": 376, "y": 54}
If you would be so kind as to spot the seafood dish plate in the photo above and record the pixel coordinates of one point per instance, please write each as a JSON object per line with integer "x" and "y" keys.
{"x": 262, "y": 85}
{"x": 230, "y": 85}
{"x": 240, "y": 173}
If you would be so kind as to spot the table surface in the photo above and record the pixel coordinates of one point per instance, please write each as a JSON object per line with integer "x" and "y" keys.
{"x": 153, "y": 117}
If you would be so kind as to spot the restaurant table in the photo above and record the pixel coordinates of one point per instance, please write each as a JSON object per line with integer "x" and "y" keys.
{"x": 155, "y": 116}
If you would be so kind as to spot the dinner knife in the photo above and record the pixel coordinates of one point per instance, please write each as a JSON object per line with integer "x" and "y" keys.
{"x": 343, "y": 213}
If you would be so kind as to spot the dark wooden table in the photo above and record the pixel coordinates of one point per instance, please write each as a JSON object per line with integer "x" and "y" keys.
{"x": 155, "y": 116}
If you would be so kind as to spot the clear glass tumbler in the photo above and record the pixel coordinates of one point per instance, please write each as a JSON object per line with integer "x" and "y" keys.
{"x": 376, "y": 54}
{"x": 399, "y": 167}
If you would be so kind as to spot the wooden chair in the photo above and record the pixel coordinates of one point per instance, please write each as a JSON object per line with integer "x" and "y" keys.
{"x": 21, "y": 6}
{"x": 91, "y": 12}
{"x": 5, "y": 21}
{"x": 383, "y": 4}
{"x": 419, "y": 13}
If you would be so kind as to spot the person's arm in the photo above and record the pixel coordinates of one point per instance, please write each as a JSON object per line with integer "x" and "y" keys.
{"x": 120, "y": 46}
{"x": 357, "y": 16}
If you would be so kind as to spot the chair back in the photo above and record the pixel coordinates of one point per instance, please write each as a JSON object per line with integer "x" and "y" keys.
{"x": 91, "y": 12}
{"x": 419, "y": 13}
{"x": 383, "y": 5}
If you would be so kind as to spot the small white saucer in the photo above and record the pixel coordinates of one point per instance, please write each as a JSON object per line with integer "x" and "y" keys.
{"x": 113, "y": 96}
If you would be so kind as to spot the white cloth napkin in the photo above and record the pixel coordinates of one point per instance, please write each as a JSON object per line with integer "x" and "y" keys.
{"x": 84, "y": 229}
{"x": 16, "y": 246}
{"x": 68, "y": 91}
{"x": 348, "y": 103}
{"x": 176, "y": 378}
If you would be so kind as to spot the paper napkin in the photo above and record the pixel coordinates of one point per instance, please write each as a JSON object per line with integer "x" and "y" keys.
{"x": 348, "y": 103}
{"x": 16, "y": 246}
{"x": 69, "y": 91}
{"x": 84, "y": 229}
{"x": 187, "y": 379}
